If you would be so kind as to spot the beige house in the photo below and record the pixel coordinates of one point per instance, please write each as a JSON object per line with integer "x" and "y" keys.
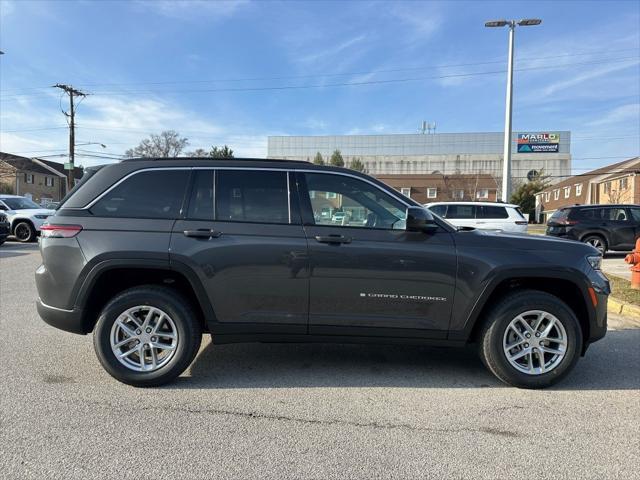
{"x": 43, "y": 181}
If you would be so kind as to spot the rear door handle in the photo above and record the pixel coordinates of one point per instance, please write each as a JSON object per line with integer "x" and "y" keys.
{"x": 202, "y": 233}
{"x": 333, "y": 239}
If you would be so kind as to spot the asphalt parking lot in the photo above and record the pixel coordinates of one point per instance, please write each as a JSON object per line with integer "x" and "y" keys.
{"x": 311, "y": 411}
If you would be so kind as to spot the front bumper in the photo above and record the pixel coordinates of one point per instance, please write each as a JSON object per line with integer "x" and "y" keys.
{"x": 602, "y": 289}
{"x": 68, "y": 320}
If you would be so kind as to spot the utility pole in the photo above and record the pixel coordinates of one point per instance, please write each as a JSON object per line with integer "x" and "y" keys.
{"x": 72, "y": 92}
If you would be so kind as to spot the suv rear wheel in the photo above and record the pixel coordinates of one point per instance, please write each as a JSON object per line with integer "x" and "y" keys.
{"x": 147, "y": 336}
{"x": 531, "y": 339}
{"x": 596, "y": 241}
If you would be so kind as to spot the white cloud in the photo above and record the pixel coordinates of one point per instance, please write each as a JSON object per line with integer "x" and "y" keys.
{"x": 6, "y": 8}
{"x": 117, "y": 122}
{"x": 332, "y": 51}
{"x": 193, "y": 9}
{"x": 623, "y": 113}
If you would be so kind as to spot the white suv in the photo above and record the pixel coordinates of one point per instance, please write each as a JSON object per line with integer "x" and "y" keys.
{"x": 25, "y": 216}
{"x": 503, "y": 217}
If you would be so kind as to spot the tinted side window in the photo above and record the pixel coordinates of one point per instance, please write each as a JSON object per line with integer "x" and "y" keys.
{"x": 152, "y": 194}
{"x": 488, "y": 211}
{"x": 252, "y": 196}
{"x": 201, "y": 202}
{"x": 461, "y": 211}
{"x": 616, "y": 214}
{"x": 588, "y": 214}
{"x": 440, "y": 210}
{"x": 635, "y": 214}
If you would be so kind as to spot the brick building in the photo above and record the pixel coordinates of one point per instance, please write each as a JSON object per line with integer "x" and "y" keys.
{"x": 616, "y": 183}
{"x": 440, "y": 188}
{"x": 43, "y": 181}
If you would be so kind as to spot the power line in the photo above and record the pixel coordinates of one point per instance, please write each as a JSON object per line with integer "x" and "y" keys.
{"x": 342, "y": 84}
{"x": 342, "y": 74}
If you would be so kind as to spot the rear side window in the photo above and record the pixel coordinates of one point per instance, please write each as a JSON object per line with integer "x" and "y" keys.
{"x": 151, "y": 194}
{"x": 252, "y": 196}
{"x": 461, "y": 211}
{"x": 587, "y": 214}
{"x": 440, "y": 210}
{"x": 489, "y": 211}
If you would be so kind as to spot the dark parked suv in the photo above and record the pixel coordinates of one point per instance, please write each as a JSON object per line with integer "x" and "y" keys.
{"x": 149, "y": 254}
{"x": 606, "y": 227}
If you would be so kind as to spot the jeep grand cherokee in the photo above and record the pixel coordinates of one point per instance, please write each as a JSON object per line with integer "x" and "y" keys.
{"x": 149, "y": 254}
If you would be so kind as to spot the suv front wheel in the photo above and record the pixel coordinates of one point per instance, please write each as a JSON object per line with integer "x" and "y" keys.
{"x": 531, "y": 339}
{"x": 147, "y": 336}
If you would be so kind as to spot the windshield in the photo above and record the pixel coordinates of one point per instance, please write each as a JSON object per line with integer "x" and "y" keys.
{"x": 20, "y": 203}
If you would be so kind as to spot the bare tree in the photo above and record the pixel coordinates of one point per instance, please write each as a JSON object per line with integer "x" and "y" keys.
{"x": 468, "y": 184}
{"x": 168, "y": 144}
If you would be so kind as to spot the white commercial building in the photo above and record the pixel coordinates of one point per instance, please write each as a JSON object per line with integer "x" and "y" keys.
{"x": 446, "y": 153}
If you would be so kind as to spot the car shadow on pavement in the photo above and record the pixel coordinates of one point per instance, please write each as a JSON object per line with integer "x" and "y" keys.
{"x": 12, "y": 254}
{"x": 611, "y": 364}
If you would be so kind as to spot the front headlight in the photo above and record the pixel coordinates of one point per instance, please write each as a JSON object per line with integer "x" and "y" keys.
{"x": 595, "y": 261}
{"x": 42, "y": 217}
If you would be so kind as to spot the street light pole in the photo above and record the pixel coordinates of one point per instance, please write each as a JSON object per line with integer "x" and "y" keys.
{"x": 506, "y": 161}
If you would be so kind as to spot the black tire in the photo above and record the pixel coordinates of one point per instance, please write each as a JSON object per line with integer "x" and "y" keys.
{"x": 497, "y": 321}
{"x": 24, "y": 231}
{"x": 167, "y": 300}
{"x": 597, "y": 241}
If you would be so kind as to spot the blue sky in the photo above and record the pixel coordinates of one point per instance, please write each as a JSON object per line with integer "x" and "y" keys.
{"x": 214, "y": 71}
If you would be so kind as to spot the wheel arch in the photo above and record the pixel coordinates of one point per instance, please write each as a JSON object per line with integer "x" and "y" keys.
{"x": 109, "y": 278}
{"x": 574, "y": 294}
{"x": 15, "y": 221}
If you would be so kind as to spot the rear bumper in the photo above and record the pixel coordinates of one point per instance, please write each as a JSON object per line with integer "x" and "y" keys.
{"x": 67, "y": 320}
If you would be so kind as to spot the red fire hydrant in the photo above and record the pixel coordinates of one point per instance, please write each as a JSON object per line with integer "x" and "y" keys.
{"x": 634, "y": 259}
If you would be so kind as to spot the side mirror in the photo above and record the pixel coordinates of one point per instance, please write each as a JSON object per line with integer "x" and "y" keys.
{"x": 3, "y": 208}
{"x": 420, "y": 220}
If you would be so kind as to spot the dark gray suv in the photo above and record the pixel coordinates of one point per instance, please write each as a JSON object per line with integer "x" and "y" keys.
{"x": 149, "y": 254}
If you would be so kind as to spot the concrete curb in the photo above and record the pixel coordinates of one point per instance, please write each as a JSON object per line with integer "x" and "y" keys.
{"x": 627, "y": 310}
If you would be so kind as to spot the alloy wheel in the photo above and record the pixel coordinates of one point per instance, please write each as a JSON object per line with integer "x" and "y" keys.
{"x": 597, "y": 243}
{"x": 535, "y": 342}
{"x": 144, "y": 338}
{"x": 22, "y": 232}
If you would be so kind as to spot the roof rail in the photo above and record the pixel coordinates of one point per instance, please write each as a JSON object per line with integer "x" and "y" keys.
{"x": 158, "y": 159}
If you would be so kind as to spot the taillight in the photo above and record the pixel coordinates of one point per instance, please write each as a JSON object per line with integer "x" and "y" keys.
{"x": 569, "y": 222}
{"x": 60, "y": 231}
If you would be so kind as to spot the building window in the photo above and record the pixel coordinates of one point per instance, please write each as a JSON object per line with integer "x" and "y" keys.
{"x": 432, "y": 192}
{"x": 458, "y": 194}
{"x": 607, "y": 188}
{"x": 578, "y": 189}
{"x": 567, "y": 192}
{"x": 556, "y": 194}
{"x": 546, "y": 196}
{"x": 48, "y": 181}
{"x": 406, "y": 191}
{"x": 482, "y": 193}
{"x": 28, "y": 178}
{"x": 623, "y": 183}
{"x": 312, "y": 194}
{"x": 332, "y": 195}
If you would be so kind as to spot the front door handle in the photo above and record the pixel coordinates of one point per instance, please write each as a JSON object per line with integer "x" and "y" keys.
{"x": 333, "y": 239}
{"x": 202, "y": 233}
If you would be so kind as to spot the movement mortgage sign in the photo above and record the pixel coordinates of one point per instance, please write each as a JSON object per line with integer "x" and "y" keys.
{"x": 538, "y": 142}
